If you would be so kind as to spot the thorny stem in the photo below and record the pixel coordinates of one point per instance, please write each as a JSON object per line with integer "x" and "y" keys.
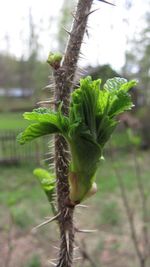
{"x": 64, "y": 78}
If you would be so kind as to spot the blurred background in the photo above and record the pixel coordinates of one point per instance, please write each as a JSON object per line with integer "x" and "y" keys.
{"x": 117, "y": 43}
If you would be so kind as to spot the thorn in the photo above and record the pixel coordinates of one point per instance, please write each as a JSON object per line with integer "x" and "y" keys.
{"x": 49, "y": 86}
{"x": 51, "y": 144}
{"x": 50, "y": 159}
{"x": 82, "y": 57}
{"x": 87, "y": 33}
{"x": 46, "y": 222}
{"x": 69, "y": 78}
{"x": 54, "y": 259}
{"x": 66, "y": 212}
{"x": 51, "y": 165}
{"x": 67, "y": 240}
{"x": 81, "y": 53}
{"x": 103, "y": 1}
{"x": 84, "y": 231}
{"x": 81, "y": 206}
{"x": 52, "y": 263}
{"x": 51, "y": 203}
{"x": 74, "y": 83}
{"x": 91, "y": 12}
{"x": 78, "y": 258}
{"x": 73, "y": 15}
{"x": 81, "y": 70}
{"x": 47, "y": 218}
{"x": 67, "y": 31}
{"x": 46, "y": 102}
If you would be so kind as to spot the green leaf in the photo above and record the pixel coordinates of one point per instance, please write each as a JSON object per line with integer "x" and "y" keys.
{"x": 120, "y": 103}
{"x": 114, "y": 84}
{"x": 105, "y": 130}
{"x": 42, "y": 115}
{"x": 48, "y": 184}
{"x": 63, "y": 122}
{"x": 128, "y": 85}
{"x": 45, "y": 178}
{"x": 49, "y": 123}
{"x": 119, "y": 99}
{"x": 118, "y": 83}
{"x": 92, "y": 121}
{"x": 85, "y": 150}
{"x": 36, "y": 130}
{"x": 88, "y": 127}
{"x": 84, "y": 105}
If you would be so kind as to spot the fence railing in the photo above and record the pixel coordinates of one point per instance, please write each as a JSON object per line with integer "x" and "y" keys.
{"x": 35, "y": 152}
{"x": 13, "y": 153}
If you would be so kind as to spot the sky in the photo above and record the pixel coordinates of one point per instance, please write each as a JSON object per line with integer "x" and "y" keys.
{"x": 109, "y": 30}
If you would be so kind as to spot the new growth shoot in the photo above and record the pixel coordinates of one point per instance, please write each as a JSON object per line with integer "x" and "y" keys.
{"x": 91, "y": 120}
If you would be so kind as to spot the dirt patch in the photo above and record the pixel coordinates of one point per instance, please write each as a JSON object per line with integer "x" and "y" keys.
{"x": 16, "y": 249}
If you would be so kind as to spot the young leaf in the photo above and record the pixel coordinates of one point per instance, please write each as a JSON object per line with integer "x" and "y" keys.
{"x": 36, "y": 130}
{"x": 45, "y": 178}
{"x": 120, "y": 103}
{"x": 48, "y": 184}
{"x": 42, "y": 115}
{"x": 119, "y": 99}
{"x": 91, "y": 121}
{"x": 49, "y": 123}
{"x": 114, "y": 84}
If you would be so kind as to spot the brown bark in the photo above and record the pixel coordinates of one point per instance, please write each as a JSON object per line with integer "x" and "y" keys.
{"x": 64, "y": 77}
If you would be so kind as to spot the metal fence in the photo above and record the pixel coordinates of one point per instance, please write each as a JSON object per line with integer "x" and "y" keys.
{"x": 13, "y": 153}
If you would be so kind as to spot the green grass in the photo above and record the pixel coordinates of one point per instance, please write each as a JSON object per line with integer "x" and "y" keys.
{"x": 20, "y": 190}
{"x": 34, "y": 262}
{"x": 22, "y": 197}
{"x": 20, "y": 194}
{"x": 124, "y": 163}
{"x": 12, "y": 121}
{"x": 120, "y": 139}
{"x": 110, "y": 214}
{"x": 8, "y": 104}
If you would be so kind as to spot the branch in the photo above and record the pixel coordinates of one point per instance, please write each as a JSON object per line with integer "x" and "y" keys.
{"x": 144, "y": 206}
{"x": 129, "y": 214}
{"x": 64, "y": 78}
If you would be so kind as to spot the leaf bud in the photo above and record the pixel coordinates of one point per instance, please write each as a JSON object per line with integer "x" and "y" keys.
{"x": 54, "y": 60}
